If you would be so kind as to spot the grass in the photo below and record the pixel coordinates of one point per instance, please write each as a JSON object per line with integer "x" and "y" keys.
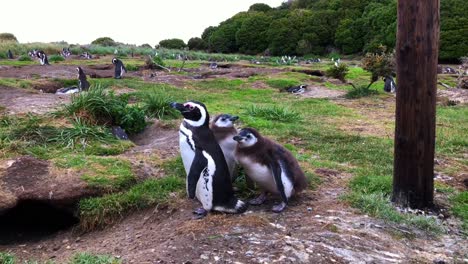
{"x": 56, "y": 58}
{"x": 86, "y": 258}
{"x": 100, "y": 211}
{"x": 274, "y": 113}
{"x": 460, "y": 207}
{"x": 156, "y": 103}
{"x": 78, "y": 258}
{"x": 360, "y": 91}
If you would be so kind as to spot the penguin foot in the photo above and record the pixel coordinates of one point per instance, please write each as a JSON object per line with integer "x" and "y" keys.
{"x": 200, "y": 213}
{"x": 259, "y": 200}
{"x": 279, "y": 207}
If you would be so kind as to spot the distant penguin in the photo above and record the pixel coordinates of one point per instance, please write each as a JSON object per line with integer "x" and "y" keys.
{"x": 9, "y": 55}
{"x": 119, "y": 68}
{"x": 42, "y": 57}
{"x": 208, "y": 176}
{"x": 213, "y": 65}
{"x": 270, "y": 165}
{"x": 83, "y": 83}
{"x": 296, "y": 89}
{"x": 389, "y": 86}
{"x": 224, "y": 132}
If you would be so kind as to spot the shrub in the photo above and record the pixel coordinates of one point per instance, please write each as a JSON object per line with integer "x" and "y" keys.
{"x": 104, "y": 41}
{"x": 24, "y": 58}
{"x": 274, "y": 112}
{"x": 96, "y": 106}
{"x": 172, "y": 43}
{"x": 55, "y": 58}
{"x": 379, "y": 64}
{"x": 360, "y": 91}
{"x": 338, "y": 72}
{"x": 156, "y": 104}
{"x": 196, "y": 44}
{"x": 146, "y": 46}
{"x": 7, "y": 37}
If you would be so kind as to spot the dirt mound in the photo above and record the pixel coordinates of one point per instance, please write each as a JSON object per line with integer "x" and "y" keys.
{"x": 28, "y": 178}
{"x": 321, "y": 92}
{"x": 23, "y": 101}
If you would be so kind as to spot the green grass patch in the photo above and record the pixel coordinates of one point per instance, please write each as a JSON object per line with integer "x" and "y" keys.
{"x": 86, "y": 258}
{"x": 55, "y": 58}
{"x": 7, "y": 258}
{"x": 360, "y": 91}
{"x": 274, "y": 113}
{"x": 107, "y": 173}
{"x": 15, "y": 83}
{"x": 282, "y": 83}
{"x": 156, "y": 103}
{"x": 460, "y": 207}
{"x": 100, "y": 211}
{"x": 452, "y": 124}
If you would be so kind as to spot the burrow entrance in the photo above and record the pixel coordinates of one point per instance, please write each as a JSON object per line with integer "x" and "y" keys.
{"x": 32, "y": 220}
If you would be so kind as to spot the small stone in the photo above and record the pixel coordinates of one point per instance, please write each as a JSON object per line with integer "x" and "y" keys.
{"x": 317, "y": 216}
{"x": 309, "y": 209}
{"x": 68, "y": 247}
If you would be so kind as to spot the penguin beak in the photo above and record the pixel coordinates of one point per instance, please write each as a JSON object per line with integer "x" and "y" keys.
{"x": 237, "y": 138}
{"x": 233, "y": 118}
{"x": 178, "y": 106}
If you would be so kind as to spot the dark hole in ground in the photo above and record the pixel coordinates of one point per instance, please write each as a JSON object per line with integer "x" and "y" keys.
{"x": 33, "y": 220}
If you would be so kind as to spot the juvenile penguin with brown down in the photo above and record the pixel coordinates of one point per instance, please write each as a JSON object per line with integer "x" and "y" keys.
{"x": 271, "y": 166}
{"x": 224, "y": 131}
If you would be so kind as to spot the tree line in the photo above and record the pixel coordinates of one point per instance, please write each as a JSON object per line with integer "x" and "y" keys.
{"x": 319, "y": 27}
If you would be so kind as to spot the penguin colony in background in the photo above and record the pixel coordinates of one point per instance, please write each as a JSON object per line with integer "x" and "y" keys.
{"x": 210, "y": 154}
{"x": 119, "y": 68}
{"x": 208, "y": 177}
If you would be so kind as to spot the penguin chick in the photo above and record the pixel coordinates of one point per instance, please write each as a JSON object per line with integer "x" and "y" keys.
{"x": 208, "y": 176}
{"x": 224, "y": 131}
{"x": 270, "y": 165}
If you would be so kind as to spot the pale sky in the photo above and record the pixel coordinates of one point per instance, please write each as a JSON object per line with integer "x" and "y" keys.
{"x": 132, "y": 22}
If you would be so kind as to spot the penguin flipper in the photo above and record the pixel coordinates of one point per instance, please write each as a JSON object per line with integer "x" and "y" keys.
{"x": 198, "y": 164}
{"x": 276, "y": 171}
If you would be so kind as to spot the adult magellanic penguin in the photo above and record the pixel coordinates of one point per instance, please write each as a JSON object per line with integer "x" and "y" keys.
{"x": 119, "y": 68}
{"x": 83, "y": 83}
{"x": 208, "y": 176}
{"x": 42, "y": 57}
{"x": 270, "y": 165}
{"x": 9, "y": 55}
{"x": 224, "y": 132}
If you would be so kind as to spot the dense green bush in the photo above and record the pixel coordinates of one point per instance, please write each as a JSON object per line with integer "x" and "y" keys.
{"x": 338, "y": 72}
{"x": 174, "y": 43}
{"x": 379, "y": 64}
{"x": 104, "y": 41}
{"x": 24, "y": 58}
{"x": 7, "y": 37}
{"x": 55, "y": 58}
{"x": 196, "y": 44}
{"x": 98, "y": 106}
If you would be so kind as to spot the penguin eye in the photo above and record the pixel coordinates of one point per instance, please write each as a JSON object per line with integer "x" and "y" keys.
{"x": 223, "y": 119}
{"x": 249, "y": 136}
{"x": 190, "y": 107}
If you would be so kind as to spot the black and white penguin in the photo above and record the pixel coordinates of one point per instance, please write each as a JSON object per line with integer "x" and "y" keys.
{"x": 389, "y": 86}
{"x": 9, "y": 55}
{"x": 42, "y": 57}
{"x": 295, "y": 89}
{"x": 270, "y": 165}
{"x": 208, "y": 176}
{"x": 224, "y": 132}
{"x": 83, "y": 83}
{"x": 119, "y": 68}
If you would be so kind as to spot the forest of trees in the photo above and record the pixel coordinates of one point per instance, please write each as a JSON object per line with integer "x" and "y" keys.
{"x": 319, "y": 27}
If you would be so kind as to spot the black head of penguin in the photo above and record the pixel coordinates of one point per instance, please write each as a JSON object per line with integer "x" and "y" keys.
{"x": 114, "y": 60}
{"x": 194, "y": 112}
{"x": 80, "y": 72}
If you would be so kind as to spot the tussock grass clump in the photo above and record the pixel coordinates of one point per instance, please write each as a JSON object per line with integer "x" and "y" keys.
{"x": 24, "y": 58}
{"x": 7, "y": 258}
{"x": 360, "y": 91}
{"x": 156, "y": 104}
{"x": 275, "y": 113}
{"x": 56, "y": 58}
{"x": 86, "y": 258}
{"x": 281, "y": 83}
{"x": 101, "y": 211}
{"x": 98, "y": 106}
{"x": 338, "y": 72}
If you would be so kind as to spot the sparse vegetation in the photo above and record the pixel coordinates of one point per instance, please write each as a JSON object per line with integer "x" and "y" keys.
{"x": 156, "y": 103}
{"x": 275, "y": 113}
{"x": 100, "y": 211}
{"x": 86, "y": 258}
{"x": 360, "y": 91}
{"x": 104, "y": 41}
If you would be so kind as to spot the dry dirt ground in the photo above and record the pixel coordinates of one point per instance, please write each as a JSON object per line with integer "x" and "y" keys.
{"x": 317, "y": 227}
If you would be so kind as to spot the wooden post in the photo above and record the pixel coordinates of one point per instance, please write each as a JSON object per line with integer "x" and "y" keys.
{"x": 417, "y": 51}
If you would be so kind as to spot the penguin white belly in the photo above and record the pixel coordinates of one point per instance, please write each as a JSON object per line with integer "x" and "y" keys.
{"x": 204, "y": 189}
{"x": 187, "y": 147}
{"x": 263, "y": 176}
{"x": 228, "y": 147}
{"x": 260, "y": 174}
